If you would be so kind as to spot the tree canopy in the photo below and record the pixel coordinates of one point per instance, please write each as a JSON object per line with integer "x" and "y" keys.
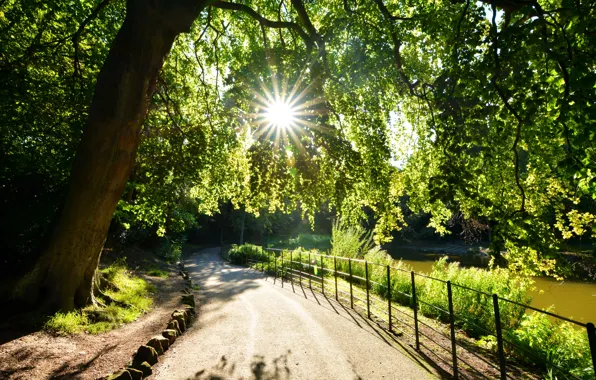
{"x": 484, "y": 108}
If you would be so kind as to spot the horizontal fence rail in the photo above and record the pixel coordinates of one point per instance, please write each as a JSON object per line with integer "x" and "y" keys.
{"x": 322, "y": 273}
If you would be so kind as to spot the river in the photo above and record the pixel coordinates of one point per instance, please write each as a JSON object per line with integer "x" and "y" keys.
{"x": 572, "y": 299}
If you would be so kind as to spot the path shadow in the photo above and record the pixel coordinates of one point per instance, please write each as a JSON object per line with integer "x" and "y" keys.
{"x": 373, "y": 328}
{"x": 260, "y": 369}
{"x": 71, "y": 369}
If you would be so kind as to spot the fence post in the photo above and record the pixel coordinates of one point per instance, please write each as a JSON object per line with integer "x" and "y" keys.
{"x": 268, "y": 261}
{"x": 351, "y": 293}
{"x": 592, "y": 340}
{"x": 499, "y": 337}
{"x": 309, "y": 275}
{"x": 389, "y": 296}
{"x": 300, "y": 269}
{"x": 322, "y": 276}
{"x": 415, "y": 306}
{"x": 291, "y": 271}
{"x": 282, "y": 269}
{"x": 275, "y": 267}
{"x": 367, "y": 291}
{"x": 335, "y": 275}
{"x": 452, "y": 325}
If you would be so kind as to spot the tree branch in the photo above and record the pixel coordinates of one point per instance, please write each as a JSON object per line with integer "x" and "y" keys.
{"x": 510, "y": 108}
{"x": 262, "y": 20}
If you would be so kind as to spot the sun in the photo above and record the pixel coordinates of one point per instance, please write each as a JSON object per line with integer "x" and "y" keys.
{"x": 280, "y": 114}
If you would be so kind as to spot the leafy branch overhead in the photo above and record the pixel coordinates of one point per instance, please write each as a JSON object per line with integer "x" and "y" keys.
{"x": 481, "y": 109}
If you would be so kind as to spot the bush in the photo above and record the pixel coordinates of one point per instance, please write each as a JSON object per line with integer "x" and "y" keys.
{"x": 477, "y": 308}
{"x": 170, "y": 249}
{"x": 351, "y": 241}
{"x": 560, "y": 343}
{"x": 238, "y": 254}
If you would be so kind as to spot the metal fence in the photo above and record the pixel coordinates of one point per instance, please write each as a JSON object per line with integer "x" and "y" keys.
{"x": 322, "y": 273}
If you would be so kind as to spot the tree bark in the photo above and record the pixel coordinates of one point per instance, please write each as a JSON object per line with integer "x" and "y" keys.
{"x": 63, "y": 276}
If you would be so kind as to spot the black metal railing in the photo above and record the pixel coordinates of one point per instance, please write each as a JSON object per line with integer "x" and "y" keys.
{"x": 455, "y": 353}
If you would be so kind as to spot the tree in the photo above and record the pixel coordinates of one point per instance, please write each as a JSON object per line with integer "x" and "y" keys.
{"x": 64, "y": 274}
{"x": 499, "y": 112}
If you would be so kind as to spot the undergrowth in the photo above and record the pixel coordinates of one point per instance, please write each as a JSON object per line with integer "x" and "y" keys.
{"x": 125, "y": 298}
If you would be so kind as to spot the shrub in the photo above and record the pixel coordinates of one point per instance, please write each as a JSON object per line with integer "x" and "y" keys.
{"x": 238, "y": 254}
{"x": 476, "y": 307}
{"x": 559, "y": 343}
{"x": 351, "y": 241}
{"x": 170, "y": 249}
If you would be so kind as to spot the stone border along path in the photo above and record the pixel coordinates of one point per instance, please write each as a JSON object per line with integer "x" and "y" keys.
{"x": 249, "y": 327}
{"x": 147, "y": 354}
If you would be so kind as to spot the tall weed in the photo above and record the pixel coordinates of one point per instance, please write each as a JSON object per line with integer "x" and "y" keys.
{"x": 351, "y": 241}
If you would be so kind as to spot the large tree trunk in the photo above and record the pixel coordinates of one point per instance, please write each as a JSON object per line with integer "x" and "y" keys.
{"x": 62, "y": 278}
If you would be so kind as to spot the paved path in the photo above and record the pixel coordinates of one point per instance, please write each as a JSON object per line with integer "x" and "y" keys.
{"x": 251, "y": 328}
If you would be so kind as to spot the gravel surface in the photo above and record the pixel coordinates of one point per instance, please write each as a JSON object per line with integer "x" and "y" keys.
{"x": 250, "y": 328}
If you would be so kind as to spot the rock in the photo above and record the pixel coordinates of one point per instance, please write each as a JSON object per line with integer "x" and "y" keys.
{"x": 170, "y": 334}
{"x": 189, "y": 299}
{"x": 173, "y": 325}
{"x": 156, "y": 344}
{"x": 189, "y": 309}
{"x": 165, "y": 342}
{"x": 144, "y": 354}
{"x": 120, "y": 375}
{"x": 146, "y": 369}
{"x": 181, "y": 318}
{"x": 187, "y": 317}
{"x": 136, "y": 374}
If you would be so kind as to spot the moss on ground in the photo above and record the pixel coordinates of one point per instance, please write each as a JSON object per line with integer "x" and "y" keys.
{"x": 125, "y": 298}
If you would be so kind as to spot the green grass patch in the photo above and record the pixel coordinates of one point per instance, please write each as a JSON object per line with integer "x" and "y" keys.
{"x": 126, "y": 298}
{"x": 158, "y": 273}
{"x": 67, "y": 323}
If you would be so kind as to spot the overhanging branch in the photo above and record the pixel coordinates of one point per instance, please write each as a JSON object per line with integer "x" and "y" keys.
{"x": 262, "y": 20}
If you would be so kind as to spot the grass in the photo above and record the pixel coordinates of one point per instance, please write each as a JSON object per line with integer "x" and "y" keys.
{"x": 126, "y": 298}
{"x": 158, "y": 273}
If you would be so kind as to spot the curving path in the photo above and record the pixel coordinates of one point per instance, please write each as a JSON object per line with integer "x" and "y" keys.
{"x": 250, "y": 328}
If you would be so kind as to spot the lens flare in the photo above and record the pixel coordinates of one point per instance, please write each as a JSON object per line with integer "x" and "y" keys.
{"x": 280, "y": 114}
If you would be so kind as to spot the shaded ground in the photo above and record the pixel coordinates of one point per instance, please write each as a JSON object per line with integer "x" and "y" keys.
{"x": 38, "y": 355}
{"x": 251, "y": 327}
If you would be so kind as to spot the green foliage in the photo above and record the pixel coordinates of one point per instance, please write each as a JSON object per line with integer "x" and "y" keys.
{"x": 307, "y": 241}
{"x": 133, "y": 296}
{"x": 170, "y": 249}
{"x": 350, "y": 240}
{"x": 239, "y": 254}
{"x": 67, "y": 323}
{"x": 475, "y": 309}
{"x": 155, "y": 272}
{"x": 434, "y": 103}
{"x": 564, "y": 345}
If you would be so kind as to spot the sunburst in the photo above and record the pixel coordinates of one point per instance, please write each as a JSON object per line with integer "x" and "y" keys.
{"x": 284, "y": 114}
